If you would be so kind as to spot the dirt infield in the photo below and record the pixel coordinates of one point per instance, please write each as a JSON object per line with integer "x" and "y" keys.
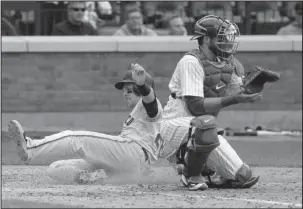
{"x": 27, "y": 186}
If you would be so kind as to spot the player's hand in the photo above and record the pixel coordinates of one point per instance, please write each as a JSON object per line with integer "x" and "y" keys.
{"x": 248, "y": 98}
{"x": 138, "y": 74}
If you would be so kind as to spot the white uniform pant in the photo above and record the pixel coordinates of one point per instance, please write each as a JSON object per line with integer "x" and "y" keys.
{"x": 97, "y": 150}
{"x": 223, "y": 159}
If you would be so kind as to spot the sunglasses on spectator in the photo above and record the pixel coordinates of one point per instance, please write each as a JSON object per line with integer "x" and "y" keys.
{"x": 78, "y": 9}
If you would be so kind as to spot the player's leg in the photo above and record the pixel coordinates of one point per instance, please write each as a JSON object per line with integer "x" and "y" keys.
{"x": 230, "y": 171}
{"x": 174, "y": 133}
{"x": 75, "y": 171}
{"x": 42, "y": 151}
{"x": 203, "y": 142}
{"x": 225, "y": 161}
{"x": 17, "y": 134}
{"x": 112, "y": 153}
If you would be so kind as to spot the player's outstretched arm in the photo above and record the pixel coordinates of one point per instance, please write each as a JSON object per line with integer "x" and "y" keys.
{"x": 148, "y": 95}
{"x": 201, "y": 106}
{"x": 192, "y": 81}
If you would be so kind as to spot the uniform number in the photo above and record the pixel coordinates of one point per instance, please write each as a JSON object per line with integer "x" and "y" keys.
{"x": 129, "y": 120}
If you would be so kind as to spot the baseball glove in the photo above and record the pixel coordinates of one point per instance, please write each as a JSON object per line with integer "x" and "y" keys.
{"x": 254, "y": 81}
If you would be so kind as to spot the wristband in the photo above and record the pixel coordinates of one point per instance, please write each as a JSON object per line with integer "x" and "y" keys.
{"x": 144, "y": 89}
{"x": 229, "y": 100}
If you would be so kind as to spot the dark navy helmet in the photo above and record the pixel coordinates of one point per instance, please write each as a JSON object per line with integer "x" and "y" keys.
{"x": 129, "y": 79}
{"x": 222, "y": 32}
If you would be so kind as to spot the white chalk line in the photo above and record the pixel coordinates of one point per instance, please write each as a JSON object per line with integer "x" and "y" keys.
{"x": 71, "y": 201}
{"x": 205, "y": 196}
{"x": 113, "y": 189}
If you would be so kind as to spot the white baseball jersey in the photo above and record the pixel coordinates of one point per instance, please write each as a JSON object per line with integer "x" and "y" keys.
{"x": 144, "y": 130}
{"x": 187, "y": 80}
{"x": 112, "y": 152}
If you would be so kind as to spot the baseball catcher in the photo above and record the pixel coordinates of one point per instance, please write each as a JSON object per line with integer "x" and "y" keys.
{"x": 206, "y": 80}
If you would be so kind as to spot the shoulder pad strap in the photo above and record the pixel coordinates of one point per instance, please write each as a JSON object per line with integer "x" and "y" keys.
{"x": 200, "y": 56}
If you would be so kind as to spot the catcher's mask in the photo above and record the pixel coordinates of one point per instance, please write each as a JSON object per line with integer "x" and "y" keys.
{"x": 129, "y": 79}
{"x": 222, "y": 33}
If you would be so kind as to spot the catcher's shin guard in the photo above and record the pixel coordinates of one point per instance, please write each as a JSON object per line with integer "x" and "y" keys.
{"x": 192, "y": 156}
{"x": 197, "y": 157}
{"x": 204, "y": 140}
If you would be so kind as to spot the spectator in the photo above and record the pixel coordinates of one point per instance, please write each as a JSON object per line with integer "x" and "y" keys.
{"x": 176, "y": 26}
{"x": 104, "y": 10}
{"x": 134, "y": 25}
{"x": 75, "y": 24}
{"x": 294, "y": 28}
{"x": 53, "y": 13}
{"x": 91, "y": 15}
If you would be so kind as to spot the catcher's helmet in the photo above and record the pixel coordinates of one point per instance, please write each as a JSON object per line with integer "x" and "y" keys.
{"x": 222, "y": 32}
{"x": 129, "y": 79}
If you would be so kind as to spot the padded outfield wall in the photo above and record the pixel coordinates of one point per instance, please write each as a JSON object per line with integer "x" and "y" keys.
{"x": 72, "y": 74}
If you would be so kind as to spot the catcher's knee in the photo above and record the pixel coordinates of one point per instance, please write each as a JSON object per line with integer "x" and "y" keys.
{"x": 244, "y": 174}
{"x": 205, "y": 134}
{"x": 203, "y": 140}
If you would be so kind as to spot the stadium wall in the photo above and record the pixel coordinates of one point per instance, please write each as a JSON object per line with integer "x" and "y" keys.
{"x": 73, "y": 74}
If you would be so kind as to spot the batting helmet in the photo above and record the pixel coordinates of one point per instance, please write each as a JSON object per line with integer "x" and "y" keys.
{"x": 222, "y": 32}
{"x": 129, "y": 79}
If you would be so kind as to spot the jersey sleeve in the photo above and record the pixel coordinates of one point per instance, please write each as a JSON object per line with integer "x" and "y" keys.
{"x": 159, "y": 114}
{"x": 192, "y": 78}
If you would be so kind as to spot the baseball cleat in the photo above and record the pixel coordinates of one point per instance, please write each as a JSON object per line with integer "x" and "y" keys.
{"x": 16, "y": 133}
{"x": 180, "y": 171}
{"x": 184, "y": 180}
{"x": 197, "y": 186}
{"x": 90, "y": 177}
{"x": 252, "y": 181}
{"x": 196, "y": 183}
{"x": 234, "y": 184}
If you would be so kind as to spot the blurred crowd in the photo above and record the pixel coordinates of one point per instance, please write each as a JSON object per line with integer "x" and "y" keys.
{"x": 145, "y": 18}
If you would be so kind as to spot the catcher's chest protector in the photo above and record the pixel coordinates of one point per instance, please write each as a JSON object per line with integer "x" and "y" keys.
{"x": 216, "y": 77}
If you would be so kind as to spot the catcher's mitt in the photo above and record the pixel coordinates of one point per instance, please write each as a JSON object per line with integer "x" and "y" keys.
{"x": 254, "y": 81}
